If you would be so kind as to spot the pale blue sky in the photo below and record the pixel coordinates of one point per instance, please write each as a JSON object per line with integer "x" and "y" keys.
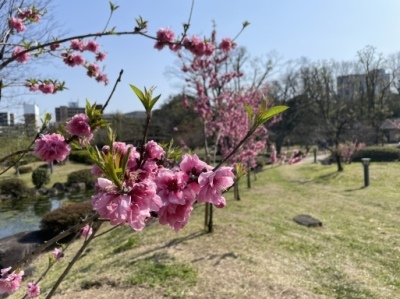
{"x": 316, "y": 29}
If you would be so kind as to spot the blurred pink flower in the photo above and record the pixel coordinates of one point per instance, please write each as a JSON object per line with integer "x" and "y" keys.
{"x": 93, "y": 70}
{"x": 23, "y": 57}
{"x": 9, "y": 283}
{"x": 52, "y": 147}
{"x": 212, "y": 183}
{"x": 154, "y": 151}
{"x": 226, "y": 44}
{"x": 101, "y": 56}
{"x": 33, "y": 290}
{"x": 77, "y": 45}
{"x": 58, "y": 254}
{"x": 16, "y": 23}
{"x": 86, "y": 231}
{"x": 92, "y": 46}
{"x": 79, "y": 126}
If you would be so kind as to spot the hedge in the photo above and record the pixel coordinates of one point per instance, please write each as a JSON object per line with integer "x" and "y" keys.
{"x": 82, "y": 176}
{"x": 80, "y": 156}
{"x": 378, "y": 154}
{"x": 59, "y": 220}
{"x": 15, "y": 187}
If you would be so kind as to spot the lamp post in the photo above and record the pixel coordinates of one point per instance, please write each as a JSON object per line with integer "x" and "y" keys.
{"x": 315, "y": 155}
{"x": 365, "y": 162}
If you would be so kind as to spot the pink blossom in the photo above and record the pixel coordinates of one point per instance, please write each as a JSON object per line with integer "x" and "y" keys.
{"x": 23, "y": 57}
{"x": 73, "y": 59}
{"x": 192, "y": 165}
{"x": 52, "y": 147}
{"x": 102, "y": 78}
{"x": 93, "y": 70}
{"x": 58, "y": 254}
{"x": 86, "y": 231}
{"x": 47, "y": 88}
{"x": 164, "y": 37}
{"x": 226, "y": 44}
{"x": 109, "y": 203}
{"x": 77, "y": 45}
{"x": 32, "y": 87}
{"x": 212, "y": 183}
{"x": 9, "y": 283}
{"x": 176, "y": 215}
{"x": 16, "y": 24}
{"x": 33, "y": 290}
{"x": 209, "y": 50}
{"x": 54, "y": 46}
{"x": 101, "y": 56}
{"x": 154, "y": 151}
{"x": 24, "y": 14}
{"x": 79, "y": 126}
{"x": 170, "y": 186}
{"x": 198, "y": 46}
{"x": 92, "y": 46}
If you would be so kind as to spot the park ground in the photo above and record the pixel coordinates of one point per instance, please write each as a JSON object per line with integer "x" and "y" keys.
{"x": 256, "y": 249}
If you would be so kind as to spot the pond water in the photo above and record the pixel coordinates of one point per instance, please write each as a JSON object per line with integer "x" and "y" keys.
{"x": 25, "y": 214}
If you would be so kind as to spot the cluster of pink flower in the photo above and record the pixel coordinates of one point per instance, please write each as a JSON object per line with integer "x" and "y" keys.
{"x": 29, "y": 15}
{"x": 151, "y": 190}
{"x": 75, "y": 59}
{"x": 196, "y": 45}
{"x": 9, "y": 283}
{"x": 52, "y": 147}
{"x": 46, "y": 87}
{"x": 347, "y": 150}
{"x": 296, "y": 157}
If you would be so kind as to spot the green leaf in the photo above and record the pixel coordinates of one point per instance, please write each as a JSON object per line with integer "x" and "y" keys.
{"x": 140, "y": 95}
{"x": 113, "y": 7}
{"x": 249, "y": 112}
{"x": 154, "y": 101}
{"x": 271, "y": 112}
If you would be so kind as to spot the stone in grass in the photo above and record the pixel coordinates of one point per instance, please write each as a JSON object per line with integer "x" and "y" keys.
{"x": 307, "y": 220}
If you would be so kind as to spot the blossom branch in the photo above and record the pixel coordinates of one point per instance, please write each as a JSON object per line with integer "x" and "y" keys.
{"x": 54, "y": 240}
{"x": 95, "y": 227}
{"x": 113, "y": 90}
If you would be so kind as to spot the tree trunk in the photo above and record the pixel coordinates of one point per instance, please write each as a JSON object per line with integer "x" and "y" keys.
{"x": 249, "y": 178}
{"x": 236, "y": 194}
{"x": 339, "y": 162}
{"x": 210, "y": 220}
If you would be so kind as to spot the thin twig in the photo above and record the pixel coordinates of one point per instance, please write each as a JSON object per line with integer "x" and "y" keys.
{"x": 113, "y": 90}
{"x": 52, "y": 241}
{"x": 96, "y": 227}
{"x": 107, "y": 231}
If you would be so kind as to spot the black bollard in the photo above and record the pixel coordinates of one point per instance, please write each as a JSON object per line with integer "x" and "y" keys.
{"x": 365, "y": 162}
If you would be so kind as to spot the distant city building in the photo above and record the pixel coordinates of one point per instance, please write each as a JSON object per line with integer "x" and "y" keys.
{"x": 139, "y": 115}
{"x": 350, "y": 85}
{"x": 6, "y": 119}
{"x": 31, "y": 116}
{"x": 64, "y": 113}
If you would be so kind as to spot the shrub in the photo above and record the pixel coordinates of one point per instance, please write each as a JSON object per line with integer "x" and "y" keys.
{"x": 378, "y": 154}
{"x": 15, "y": 187}
{"x": 59, "y": 220}
{"x": 25, "y": 169}
{"x": 82, "y": 176}
{"x": 40, "y": 177}
{"x": 80, "y": 156}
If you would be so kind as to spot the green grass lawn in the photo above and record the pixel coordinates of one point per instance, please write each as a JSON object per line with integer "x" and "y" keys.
{"x": 257, "y": 250}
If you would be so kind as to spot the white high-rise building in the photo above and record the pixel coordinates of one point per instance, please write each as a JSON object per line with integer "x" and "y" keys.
{"x": 31, "y": 116}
